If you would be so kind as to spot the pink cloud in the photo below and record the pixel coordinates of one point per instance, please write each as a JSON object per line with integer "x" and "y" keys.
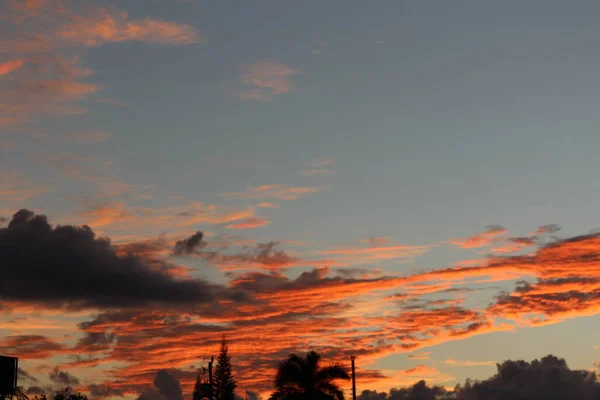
{"x": 268, "y": 205}
{"x": 249, "y": 223}
{"x": 265, "y": 79}
{"x": 44, "y": 81}
{"x": 104, "y": 26}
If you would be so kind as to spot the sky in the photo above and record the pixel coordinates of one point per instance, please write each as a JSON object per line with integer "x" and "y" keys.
{"x": 409, "y": 182}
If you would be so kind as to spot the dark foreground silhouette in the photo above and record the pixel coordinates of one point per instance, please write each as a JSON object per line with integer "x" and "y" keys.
{"x": 303, "y": 378}
{"x": 549, "y": 378}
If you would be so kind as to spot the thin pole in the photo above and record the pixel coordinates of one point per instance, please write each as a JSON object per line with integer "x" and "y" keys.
{"x": 353, "y": 379}
{"x": 210, "y": 377}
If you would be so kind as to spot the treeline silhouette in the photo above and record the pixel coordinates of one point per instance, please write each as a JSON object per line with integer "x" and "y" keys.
{"x": 304, "y": 378}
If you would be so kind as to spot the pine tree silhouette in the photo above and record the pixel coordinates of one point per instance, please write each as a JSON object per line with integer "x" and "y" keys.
{"x": 223, "y": 382}
{"x": 197, "y": 394}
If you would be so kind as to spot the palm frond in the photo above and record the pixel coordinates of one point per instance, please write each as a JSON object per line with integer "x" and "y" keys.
{"x": 334, "y": 371}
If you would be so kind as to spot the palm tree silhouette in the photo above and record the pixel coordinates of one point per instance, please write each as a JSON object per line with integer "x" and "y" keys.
{"x": 301, "y": 378}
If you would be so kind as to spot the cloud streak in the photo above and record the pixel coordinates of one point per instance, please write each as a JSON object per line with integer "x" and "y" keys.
{"x": 265, "y": 79}
{"x": 249, "y": 223}
{"x": 43, "y": 80}
{"x": 275, "y": 191}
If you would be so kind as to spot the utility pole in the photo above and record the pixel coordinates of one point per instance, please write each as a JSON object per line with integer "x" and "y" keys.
{"x": 353, "y": 379}
{"x": 210, "y": 377}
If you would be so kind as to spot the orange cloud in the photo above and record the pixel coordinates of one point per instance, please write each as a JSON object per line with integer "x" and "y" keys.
{"x": 357, "y": 255}
{"x": 10, "y": 66}
{"x": 249, "y": 223}
{"x": 481, "y": 239}
{"x": 104, "y": 26}
{"x": 47, "y": 82}
{"x": 337, "y": 314}
{"x": 265, "y": 79}
{"x": 120, "y": 218}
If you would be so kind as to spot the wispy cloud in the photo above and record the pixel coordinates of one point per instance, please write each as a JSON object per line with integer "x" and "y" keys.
{"x": 319, "y": 47}
{"x": 112, "y": 102}
{"x": 14, "y": 187}
{"x": 375, "y": 241}
{"x": 467, "y": 363}
{"x": 88, "y": 136}
{"x": 424, "y": 355}
{"x": 319, "y": 162}
{"x": 482, "y": 239}
{"x": 265, "y": 79}
{"x": 45, "y": 81}
{"x": 266, "y": 204}
{"x": 375, "y": 252}
{"x": 276, "y": 191}
{"x": 317, "y": 166}
{"x": 249, "y": 223}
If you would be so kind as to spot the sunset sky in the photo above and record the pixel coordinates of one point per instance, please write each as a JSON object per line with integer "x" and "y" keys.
{"x": 411, "y": 182}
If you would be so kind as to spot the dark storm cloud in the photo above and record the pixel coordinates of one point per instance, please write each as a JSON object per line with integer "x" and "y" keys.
{"x": 189, "y": 245}
{"x": 69, "y": 266}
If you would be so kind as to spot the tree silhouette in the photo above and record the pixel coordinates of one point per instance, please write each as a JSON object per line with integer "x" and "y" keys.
{"x": 223, "y": 383}
{"x": 68, "y": 394}
{"x": 197, "y": 394}
{"x": 301, "y": 378}
{"x": 17, "y": 394}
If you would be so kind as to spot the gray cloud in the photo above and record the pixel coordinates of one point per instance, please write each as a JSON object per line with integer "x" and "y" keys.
{"x": 63, "y": 378}
{"x": 189, "y": 245}
{"x": 168, "y": 385}
{"x": 104, "y": 391}
{"x": 548, "y": 378}
{"x": 23, "y": 375}
{"x": 72, "y": 267}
